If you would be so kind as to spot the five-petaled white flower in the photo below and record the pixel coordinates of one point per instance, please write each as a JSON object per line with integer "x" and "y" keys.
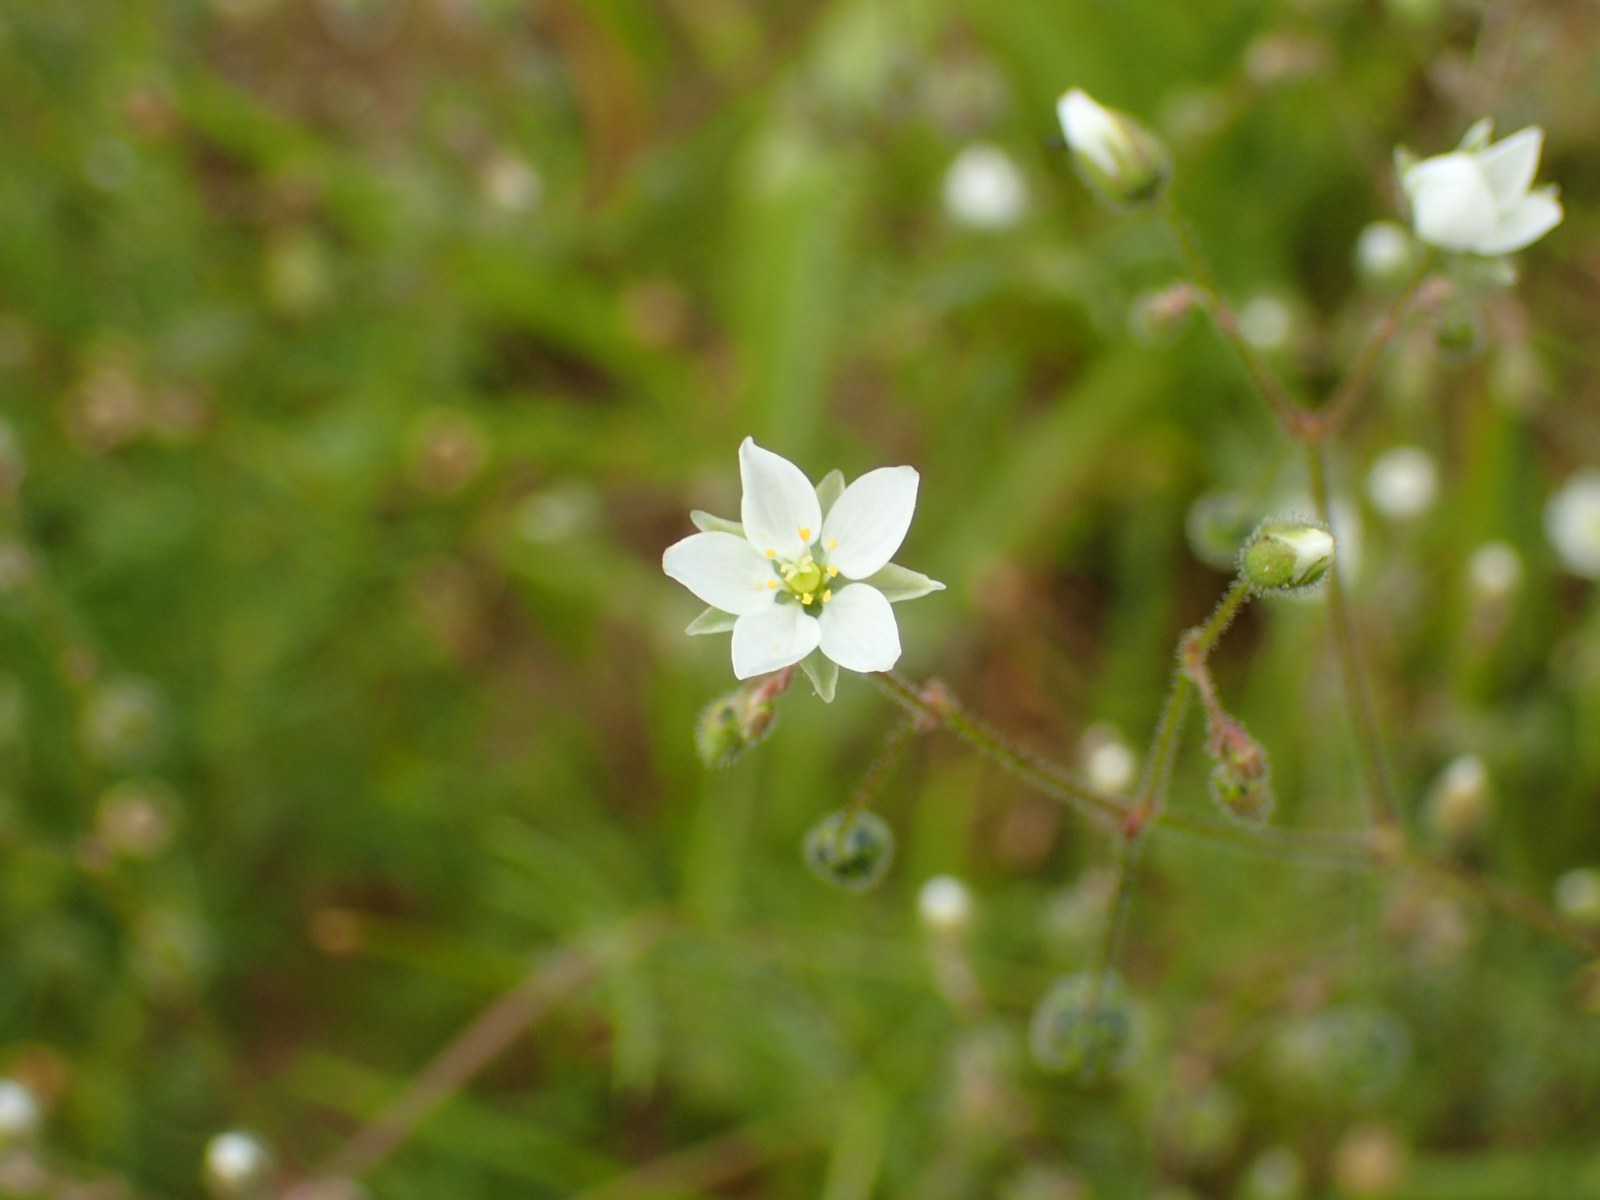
{"x": 1479, "y": 198}
{"x": 805, "y": 577}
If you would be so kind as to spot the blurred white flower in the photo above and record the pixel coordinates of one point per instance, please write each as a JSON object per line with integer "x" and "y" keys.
{"x": 807, "y": 569}
{"x": 1267, "y": 323}
{"x": 1494, "y": 570}
{"x": 1107, "y": 760}
{"x": 19, "y": 1112}
{"x": 1403, "y": 482}
{"x": 236, "y": 1163}
{"x": 944, "y": 905}
{"x": 984, "y": 189}
{"x": 1479, "y": 198}
{"x": 1572, "y": 523}
{"x": 1384, "y": 252}
{"x": 1578, "y": 894}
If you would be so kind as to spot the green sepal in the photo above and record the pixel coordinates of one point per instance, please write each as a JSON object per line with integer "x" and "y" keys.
{"x": 830, "y": 489}
{"x": 713, "y": 620}
{"x": 709, "y": 523}
{"x": 899, "y": 583}
{"x": 823, "y": 673}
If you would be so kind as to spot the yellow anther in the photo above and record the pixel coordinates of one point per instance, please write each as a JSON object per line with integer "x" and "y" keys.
{"x": 805, "y": 597}
{"x": 805, "y": 533}
{"x": 832, "y": 571}
{"x": 772, "y": 554}
{"x": 833, "y": 543}
{"x": 773, "y": 584}
{"x": 827, "y": 594}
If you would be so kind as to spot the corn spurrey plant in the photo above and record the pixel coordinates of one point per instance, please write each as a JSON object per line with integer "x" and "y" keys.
{"x": 806, "y": 580}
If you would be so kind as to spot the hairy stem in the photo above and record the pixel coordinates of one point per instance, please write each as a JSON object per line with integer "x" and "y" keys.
{"x": 1362, "y": 713}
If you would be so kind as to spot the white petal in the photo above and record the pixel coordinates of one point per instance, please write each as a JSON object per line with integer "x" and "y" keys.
{"x": 780, "y": 509}
{"x": 1090, "y": 128}
{"x": 1451, "y": 203}
{"x": 899, "y": 583}
{"x": 870, "y": 521}
{"x": 779, "y": 636}
{"x": 724, "y": 570}
{"x": 1509, "y": 166}
{"x": 858, "y": 629}
{"x": 1537, "y": 215}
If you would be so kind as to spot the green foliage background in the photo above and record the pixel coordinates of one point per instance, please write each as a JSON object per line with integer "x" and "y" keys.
{"x": 364, "y": 356}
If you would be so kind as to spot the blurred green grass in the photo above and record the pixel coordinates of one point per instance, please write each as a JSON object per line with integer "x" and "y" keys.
{"x": 365, "y": 356}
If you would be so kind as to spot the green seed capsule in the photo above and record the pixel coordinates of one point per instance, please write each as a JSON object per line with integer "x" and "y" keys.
{"x": 1083, "y": 1030}
{"x": 851, "y": 852}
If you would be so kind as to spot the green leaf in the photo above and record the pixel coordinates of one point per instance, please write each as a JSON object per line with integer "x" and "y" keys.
{"x": 901, "y": 583}
{"x": 823, "y": 673}
{"x": 707, "y": 523}
{"x": 713, "y": 620}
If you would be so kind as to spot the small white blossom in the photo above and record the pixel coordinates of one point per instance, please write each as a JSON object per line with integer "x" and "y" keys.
{"x": 19, "y": 1112}
{"x": 1494, "y": 570}
{"x": 1267, "y": 323}
{"x": 944, "y": 905}
{"x": 806, "y": 569}
{"x": 1385, "y": 252}
{"x": 236, "y": 1162}
{"x": 984, "y": 189}
{"x": 1572, "y": 523}
{"x": 1107, "y": 760}
{"x": 1479, "y": 198}
{"x": 1403, "y": 482}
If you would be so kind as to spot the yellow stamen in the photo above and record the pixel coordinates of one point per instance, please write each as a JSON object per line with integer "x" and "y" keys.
{"x": 805, "y": 597}
{"x": 833, "y": 543}
{"x": 772, "y": 554}
{"x": 827, "y": 594}
{"x": 805, "y": 533}
{"x": 832, "y": 571}
{"x": 773, "y": 584}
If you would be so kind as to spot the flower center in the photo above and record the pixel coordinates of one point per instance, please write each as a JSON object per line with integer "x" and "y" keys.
{"x": 807, "y": 580}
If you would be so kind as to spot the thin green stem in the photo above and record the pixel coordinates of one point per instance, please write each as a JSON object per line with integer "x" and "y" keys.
{"x": 1332, "y": 418}
{"x": 1357, "y": 696}
{"x": 1116, "y": 916}
{"x": 1054, "y": 781}
{"x": 1291, "y": 416}
{"x": 1508, "y": 900}
{"x": 893, "y": 750}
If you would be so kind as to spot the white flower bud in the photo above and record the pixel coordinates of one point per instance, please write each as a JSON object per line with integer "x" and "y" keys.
{"x": 984, "y": 189}
{"x": 1572, "y": 523}
{"x": 944, "y": 905}
{"x": 1286, "y": 556}
{"x": 1403, "y": 482}
{"x": 1578, "y": 894}
{"x": 1121, "y": 160}
{"x": 1494, "y": 571}
{"x": 236, "y": 1164}
{"x": 1459, "y": 801}
{"x": 1385, "y": 254}
{"x": 19, "y": 1112}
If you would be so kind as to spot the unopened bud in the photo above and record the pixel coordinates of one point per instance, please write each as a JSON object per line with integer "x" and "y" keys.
{"x": 236, "y": 1164}
{"x": 1578, "y": 894}
{"x": 19, "y": 1113}
{"x": 1121, "y": 161}
{"x": 850, "y": 850}
{"x": 1085, "y": 1027}
{"x": 944, "y": 905}
{"x": 1241, "y": 780}
{"x": 733, "y": 723}
{"x": 1459, "y": 802}
{"x": 1286, "y": 556}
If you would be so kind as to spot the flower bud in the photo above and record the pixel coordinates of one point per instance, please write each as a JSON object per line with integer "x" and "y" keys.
{"x": 1286, "y": 556}
{"x": 1578, "y": 894}
{"x": 733, "y": 723}
{"x": 236, "y": 1164}
{"x": 944, "y": 905}
{"x": 1459, "y": 802}
{"x": 1121, "y": 161}
{"x": 1085, "y": 1027}
{"x": 19, "y": 1113}
{"x": 1241, "y": 781}
{"x": 850, "y": 850}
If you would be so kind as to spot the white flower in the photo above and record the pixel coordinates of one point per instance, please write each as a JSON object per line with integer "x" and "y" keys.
{"x": 1572, "y": 523}
{"x": 1477, "y": 198}
{"x": 1494, "y": 570}
{"x": 1118, "y": 157}
{"x": 1403, "y": 482}
{"x": 984, "y": 189}
{"x": 807, "y": 569}
{"x": 944, "y": 904}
